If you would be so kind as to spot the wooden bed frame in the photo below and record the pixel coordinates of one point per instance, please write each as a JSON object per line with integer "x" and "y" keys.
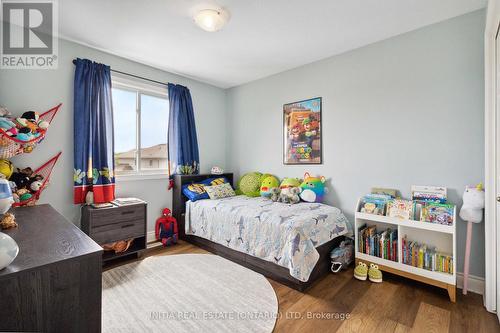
{"x": 267, "y": 268}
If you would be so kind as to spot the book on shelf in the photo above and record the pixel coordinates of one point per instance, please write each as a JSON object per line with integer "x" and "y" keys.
{"x": 424, "y": 256}
{"x": 381, "y": 244}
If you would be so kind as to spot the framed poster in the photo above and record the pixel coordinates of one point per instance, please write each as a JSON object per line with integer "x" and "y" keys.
{"x": 302, "y": 142}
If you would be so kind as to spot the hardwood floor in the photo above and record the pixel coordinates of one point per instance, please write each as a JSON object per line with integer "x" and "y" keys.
{"x": 340, "y": 303}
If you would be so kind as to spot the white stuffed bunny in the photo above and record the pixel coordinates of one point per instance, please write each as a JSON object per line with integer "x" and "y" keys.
{"x": 472, "y": 209}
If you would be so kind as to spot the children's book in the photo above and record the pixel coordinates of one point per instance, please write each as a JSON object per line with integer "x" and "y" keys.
{"x": 438, "y": 213}
{"x": 401, "y": 209}
{"x": 429, "y": 193}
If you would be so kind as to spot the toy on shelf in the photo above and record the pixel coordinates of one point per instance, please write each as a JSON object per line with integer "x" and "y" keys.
{"x": 22, "y": 134}
{"x": 313, "y": 188}
{"x": 166, "y": 228}
{"x": 216, "y": 170}
{"x": 27, "y": 185}
{"x": 471, "y": 212}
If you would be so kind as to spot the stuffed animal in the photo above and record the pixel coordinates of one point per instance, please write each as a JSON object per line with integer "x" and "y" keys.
{"x": 21, "y": 178}
{"x": 288, "y": 183}
{"x": 290, "y": 195}
{"x": 8, "y": 221}
{"x": 313, "y": 188}
{"x": 118, "y": 247}
{"x": 36, "y": 185}
{"x": 472, "y": 209}
{"x": 267, "y": 184}
{"x": 6, "y": 168}
{"x": 249, "y": 184}
{"x": 275, "y": 194}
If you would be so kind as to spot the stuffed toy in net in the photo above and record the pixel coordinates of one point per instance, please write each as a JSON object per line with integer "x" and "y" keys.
{"x": 44, "y": 171}
{"x": 23, "y": 134}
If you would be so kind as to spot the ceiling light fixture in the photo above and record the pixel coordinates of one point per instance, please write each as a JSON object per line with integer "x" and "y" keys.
{"x": 211, "y": 20}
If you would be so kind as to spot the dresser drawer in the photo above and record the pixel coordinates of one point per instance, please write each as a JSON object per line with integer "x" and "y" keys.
{"x": 108, "y": 233}
{"x": 118, "y": 214}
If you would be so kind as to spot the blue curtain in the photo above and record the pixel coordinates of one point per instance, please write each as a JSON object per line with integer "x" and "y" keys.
{"x": 182, "y": 142}
{"x": 93, "y": 132}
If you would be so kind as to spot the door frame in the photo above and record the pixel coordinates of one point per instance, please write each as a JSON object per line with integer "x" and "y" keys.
{"x": 491, "y": 143}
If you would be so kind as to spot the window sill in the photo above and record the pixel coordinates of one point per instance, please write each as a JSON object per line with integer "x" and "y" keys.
{"x": 140, "y": 177}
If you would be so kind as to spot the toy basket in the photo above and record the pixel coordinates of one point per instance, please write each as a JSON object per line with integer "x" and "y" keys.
{"x": 10, "y": 146}
{"x": 45, "y": 171}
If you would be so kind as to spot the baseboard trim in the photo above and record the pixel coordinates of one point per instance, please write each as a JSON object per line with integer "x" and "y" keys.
{"x": 476, "y": 283}
{"x": 150, "y": 237}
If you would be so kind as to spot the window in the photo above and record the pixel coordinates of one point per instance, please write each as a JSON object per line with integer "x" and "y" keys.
{"x": 140, "y": 116}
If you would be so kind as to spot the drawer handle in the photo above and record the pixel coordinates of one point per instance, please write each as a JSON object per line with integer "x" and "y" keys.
{"x": 127, "y": 226}
{"x": 128, "y": 212}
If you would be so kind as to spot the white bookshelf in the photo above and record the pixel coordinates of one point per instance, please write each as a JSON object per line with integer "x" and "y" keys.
{"x": 443, "y": 237}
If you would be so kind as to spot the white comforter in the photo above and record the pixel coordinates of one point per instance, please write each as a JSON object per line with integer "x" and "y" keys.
{"x": 281, "y": 233}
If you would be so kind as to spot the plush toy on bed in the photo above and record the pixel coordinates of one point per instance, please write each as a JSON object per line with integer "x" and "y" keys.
{"x": 268, "y": 183}
{"x": 289, "y": 191}
{"x": 313, "y": 188}
{"x": 290, "y": 196}
{"x": 250, "y": 183}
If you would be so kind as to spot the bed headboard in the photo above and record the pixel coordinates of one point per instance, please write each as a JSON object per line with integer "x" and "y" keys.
{"x": 179, "y": 199}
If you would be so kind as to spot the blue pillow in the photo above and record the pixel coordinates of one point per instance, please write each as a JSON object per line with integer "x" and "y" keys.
{"x": 196, "y": 191}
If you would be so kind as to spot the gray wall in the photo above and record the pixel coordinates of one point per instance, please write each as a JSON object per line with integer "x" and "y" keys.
{"x": 404, "y": 111}
{"x": 22, "y": 90}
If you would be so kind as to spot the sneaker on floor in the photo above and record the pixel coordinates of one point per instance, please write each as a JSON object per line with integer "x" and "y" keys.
{"x": 374, "y": 274}
{"x": 361, "y": 271}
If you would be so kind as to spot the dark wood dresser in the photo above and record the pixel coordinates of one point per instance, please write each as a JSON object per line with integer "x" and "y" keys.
{"x": 54, "y": 284}
{"x": 107, "y": 225}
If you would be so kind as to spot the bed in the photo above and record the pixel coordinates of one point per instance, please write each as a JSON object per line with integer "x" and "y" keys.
{"x": 287, "y": 243}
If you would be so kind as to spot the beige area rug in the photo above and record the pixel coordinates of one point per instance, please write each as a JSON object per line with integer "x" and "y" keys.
{"x": 187, "y": 293}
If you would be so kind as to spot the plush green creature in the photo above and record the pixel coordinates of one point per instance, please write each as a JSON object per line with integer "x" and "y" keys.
{"x": 290, "y": 190}
{"x": 290, "y": 182}
{"x": 249, "y": 184}
{"x": 268, "y": 182}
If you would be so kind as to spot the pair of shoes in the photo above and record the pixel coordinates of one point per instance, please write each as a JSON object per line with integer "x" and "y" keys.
{"x": 361, "y": 272}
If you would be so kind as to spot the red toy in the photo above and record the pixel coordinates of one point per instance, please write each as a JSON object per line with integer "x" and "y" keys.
{"x": 166, "y": 228}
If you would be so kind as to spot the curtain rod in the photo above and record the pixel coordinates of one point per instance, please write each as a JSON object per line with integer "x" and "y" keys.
{"x": 133, "y": 75}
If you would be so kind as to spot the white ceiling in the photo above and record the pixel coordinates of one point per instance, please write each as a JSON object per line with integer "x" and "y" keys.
{"x": 263, "y": 37}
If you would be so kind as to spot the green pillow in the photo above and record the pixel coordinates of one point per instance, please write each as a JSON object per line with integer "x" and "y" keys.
{"x": 249, "y": 184}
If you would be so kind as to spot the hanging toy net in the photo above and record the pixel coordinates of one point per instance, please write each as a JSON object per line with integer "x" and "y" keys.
{"x": 10, "y": 146}
{"x": 44, "y": 171}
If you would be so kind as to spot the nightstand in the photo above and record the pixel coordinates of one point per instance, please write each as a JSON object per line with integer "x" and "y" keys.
{"x": 107, "y": 225}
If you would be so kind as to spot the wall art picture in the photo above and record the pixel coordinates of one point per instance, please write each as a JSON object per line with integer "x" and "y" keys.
{"x": 302, "y": 142}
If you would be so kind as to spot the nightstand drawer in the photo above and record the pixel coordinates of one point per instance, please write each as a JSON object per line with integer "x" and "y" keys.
{"x": 117, "y": 231}
{"x": 118, "y": 214}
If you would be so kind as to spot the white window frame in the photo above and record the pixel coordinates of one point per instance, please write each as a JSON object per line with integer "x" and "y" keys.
{"x": 139, "y": 87}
